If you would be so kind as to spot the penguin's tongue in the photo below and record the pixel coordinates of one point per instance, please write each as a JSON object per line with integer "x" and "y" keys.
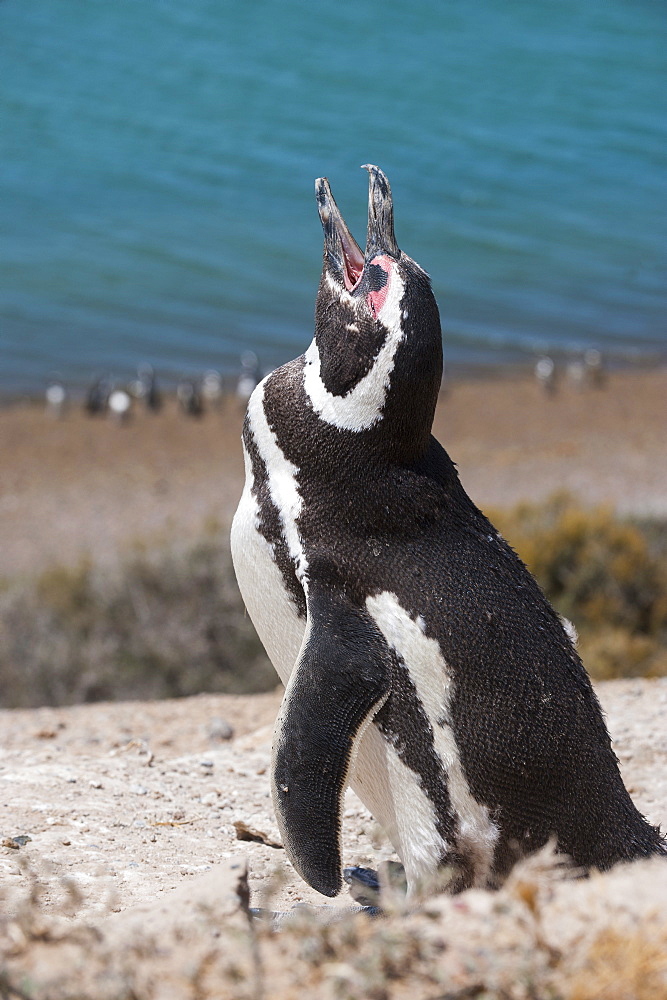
{"x": 353, "y": 260}
{"x": 338, "y": 240}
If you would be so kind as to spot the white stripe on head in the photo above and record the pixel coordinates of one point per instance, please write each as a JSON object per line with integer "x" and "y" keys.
{"x": 362, "y": 406}
{"x": 434, "y": 685}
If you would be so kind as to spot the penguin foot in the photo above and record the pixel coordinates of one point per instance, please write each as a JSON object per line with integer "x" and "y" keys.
{"x": 364, "y": 885}
{"x": 368, "y": 886}
{"x": 327, "y": 914}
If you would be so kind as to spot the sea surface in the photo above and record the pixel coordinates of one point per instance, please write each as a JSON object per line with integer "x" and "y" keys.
{"x": 157, "y": 160}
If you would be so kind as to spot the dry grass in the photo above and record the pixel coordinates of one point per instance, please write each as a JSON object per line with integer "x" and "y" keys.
{"x": 617, "y": 966}
{"x": 169, "y": 621}
{"x": 166, "y": 623}
{"x": 608, "y": 575}
{"x": 515, "y": 944}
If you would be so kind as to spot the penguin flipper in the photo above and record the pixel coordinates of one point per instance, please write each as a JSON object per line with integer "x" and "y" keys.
{"x": 341, "y": 679}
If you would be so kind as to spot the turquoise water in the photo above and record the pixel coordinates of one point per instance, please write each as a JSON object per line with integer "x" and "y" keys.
{"x": 157, "y": 162}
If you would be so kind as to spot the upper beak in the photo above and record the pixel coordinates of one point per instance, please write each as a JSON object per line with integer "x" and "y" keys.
{"x": 340, "y": 247}
{"x": 380, "y": 236}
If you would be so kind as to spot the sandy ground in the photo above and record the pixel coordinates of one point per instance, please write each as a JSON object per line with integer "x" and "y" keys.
{"x": 129, "y": 816}
{"x": 122, "y": 823}
{"x": 131, "y": 799}
{"x": 81, "y": 486}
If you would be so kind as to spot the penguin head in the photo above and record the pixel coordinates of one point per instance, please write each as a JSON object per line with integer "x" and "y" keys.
{"x": 377, "y": 345}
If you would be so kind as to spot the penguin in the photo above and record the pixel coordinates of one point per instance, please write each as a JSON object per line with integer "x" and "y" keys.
{"x": 56, "y": 397}
{"x": 248, "y": 377}
{"x": 422, "y": 664}
{"x": 595, "y": 368}
{"x": 97, "y": 397}
{"x": 545, "y": 373}
{"x": 211, "y": 388}
{"x": 119, "y": 406}
{"x": 145, "y": 387}
{"x": 188, "y": 394}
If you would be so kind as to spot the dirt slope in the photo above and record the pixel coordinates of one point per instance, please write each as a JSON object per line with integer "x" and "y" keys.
{"x": 132, "y": 880}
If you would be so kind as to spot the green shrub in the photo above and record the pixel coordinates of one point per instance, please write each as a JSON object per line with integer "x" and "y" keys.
{"x": 170, "y": 621}
{"x": 167, "y": 623}
{"x": 606, "y": 574}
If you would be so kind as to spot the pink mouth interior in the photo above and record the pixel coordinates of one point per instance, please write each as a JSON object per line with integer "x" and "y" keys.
{"x": 354, "y": 264}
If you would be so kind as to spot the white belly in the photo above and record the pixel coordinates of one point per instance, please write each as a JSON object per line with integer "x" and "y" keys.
{"x": 263, "y": 590}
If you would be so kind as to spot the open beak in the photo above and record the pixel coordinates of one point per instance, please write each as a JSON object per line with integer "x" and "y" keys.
{"x": 341, "y": 250}
{"x": 380, "y": 235}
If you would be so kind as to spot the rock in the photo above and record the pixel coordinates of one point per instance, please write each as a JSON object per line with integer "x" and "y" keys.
{"x": 220, "y": 730}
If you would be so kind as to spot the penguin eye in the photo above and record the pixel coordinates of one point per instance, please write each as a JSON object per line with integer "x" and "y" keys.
{"x": 377, "y": 277}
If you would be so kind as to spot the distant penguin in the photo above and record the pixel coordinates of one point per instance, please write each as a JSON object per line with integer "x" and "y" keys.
{"x": 248, "y": 377}
{"x": 145, "y": 388}
{"x": 423, "y": 665}
{"x": 188, "y": 393}
{"x": 595, "y": 370}
{"x": 545, "y": 373}
{"x": 97, "y": 397}
{"x": 56, "y": 397}
{"x": 211, "y": 388}
{"x": 576, "y": 374}
{"x": 119, "y": 405}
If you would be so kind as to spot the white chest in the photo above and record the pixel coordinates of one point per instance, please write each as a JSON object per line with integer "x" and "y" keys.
{"x": 263, "y": 589}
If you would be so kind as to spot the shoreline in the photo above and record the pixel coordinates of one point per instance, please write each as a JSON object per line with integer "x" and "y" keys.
{"x": 454, "y": 372}
{"x": 85, "y": 487}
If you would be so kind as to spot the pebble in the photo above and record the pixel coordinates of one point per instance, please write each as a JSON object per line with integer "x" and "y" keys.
{"x": 14, "y": 843}
{"x": 220, "y": 730}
